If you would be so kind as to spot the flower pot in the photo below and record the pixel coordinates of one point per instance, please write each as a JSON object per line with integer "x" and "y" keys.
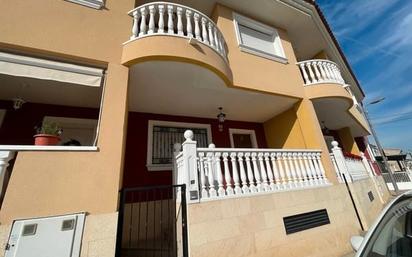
{"x": 45, "y": 139}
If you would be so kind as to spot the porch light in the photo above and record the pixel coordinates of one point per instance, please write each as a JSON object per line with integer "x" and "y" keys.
{"x": 221, "y": 118}
{"x": 18, "y": 103}
{"x": 324, "y": 128}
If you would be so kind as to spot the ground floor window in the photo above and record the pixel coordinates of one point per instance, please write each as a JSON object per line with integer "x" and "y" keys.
{"x": 162, "y": 135}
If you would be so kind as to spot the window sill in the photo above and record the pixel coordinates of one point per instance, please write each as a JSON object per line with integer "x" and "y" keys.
{"x": 54, "y": 148}
{"x": 95, "y": 4}
{"x": 159, "y": 167}
{"x": 263, "y": 54}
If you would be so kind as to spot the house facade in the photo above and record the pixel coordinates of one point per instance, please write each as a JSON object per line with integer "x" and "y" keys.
{"x": 253, "y": 108}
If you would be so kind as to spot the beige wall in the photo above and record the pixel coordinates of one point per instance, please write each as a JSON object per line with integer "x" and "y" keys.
{"x": 65, "y": 28}
{"x": 348, "y": 141}
{"x": 368, "y": 210}
{"x": 51, "y": 183}
{"x": 253, "y": 226}
{"x": 284, "y": 131}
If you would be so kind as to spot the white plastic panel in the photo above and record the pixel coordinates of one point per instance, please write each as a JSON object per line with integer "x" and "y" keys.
{"x": 46, "y": 237}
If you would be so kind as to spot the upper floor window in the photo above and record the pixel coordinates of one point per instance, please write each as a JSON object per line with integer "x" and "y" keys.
{"x": 96, "y": 4}
{"x": 259, "y": 39}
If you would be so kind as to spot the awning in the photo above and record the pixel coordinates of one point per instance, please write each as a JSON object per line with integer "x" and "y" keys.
{"x": 24, "y": 66}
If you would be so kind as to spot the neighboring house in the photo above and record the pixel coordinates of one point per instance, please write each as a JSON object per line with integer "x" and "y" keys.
{"x": 396, "y": 158}
{"x": 266, "y": 83}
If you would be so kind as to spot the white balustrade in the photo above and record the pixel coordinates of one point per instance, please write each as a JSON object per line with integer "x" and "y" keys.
{"x": 182, "y": 21}
{"x": 232, "y": 172}
{"x": 320, "y": 71}
{"x": 350, "y": 167}
{"x": 5, "y": 157}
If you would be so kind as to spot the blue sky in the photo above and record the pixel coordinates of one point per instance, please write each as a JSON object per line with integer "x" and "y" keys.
{"x": 376, "y": 37}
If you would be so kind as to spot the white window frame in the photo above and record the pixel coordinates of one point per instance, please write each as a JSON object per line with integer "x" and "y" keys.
{"x": 250, "y": 132}
{"x": 96, "y": 4}
{"x": 158, "y": 167}
{"x": 263, "y": 28}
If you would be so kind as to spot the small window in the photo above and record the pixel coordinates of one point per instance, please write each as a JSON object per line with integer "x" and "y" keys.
{"x": 259, "y": 39}
{"x": 242, "y": 138}
{"x": 96, "y": 4}
{"x": 29, "y": 230}
{"x": 68, "y": 224}
{"x": 162, "y": 135}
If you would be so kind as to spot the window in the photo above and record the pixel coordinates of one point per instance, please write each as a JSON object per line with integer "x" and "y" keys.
{"x": 242, "y": 138}
{"x": 162, "y": 135}
{"x": 96, "y": 4}
{"x": 259, "y": 39}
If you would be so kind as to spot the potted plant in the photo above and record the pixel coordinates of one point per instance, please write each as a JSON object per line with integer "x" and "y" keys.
{"x": 47, "y": 134}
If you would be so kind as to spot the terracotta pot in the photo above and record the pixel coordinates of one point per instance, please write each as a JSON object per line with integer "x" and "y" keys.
{"x": 45, "y": 139}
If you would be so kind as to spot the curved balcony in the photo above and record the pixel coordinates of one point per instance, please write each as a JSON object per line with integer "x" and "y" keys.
{"x": 320, "y": 71}
{"x": 176, "y": 34}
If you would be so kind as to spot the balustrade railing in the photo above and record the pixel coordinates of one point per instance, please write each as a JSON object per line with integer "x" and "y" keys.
{"x": 163, "y": 18}
{"x": 349, "y": 166}
{"x": 320, "y": 71}
{"x": 230, "y": 172}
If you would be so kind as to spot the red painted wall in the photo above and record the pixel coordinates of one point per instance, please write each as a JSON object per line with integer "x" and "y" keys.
{"x": 18, "y": 125}
{"x": 135, "y": 171}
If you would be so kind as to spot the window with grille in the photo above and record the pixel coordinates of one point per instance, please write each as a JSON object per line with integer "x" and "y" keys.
{"x": 162, "y": 137}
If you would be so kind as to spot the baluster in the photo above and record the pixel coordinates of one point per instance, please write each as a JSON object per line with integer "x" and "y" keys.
{"x": 219, "y": 176}
{"x": 197, "y": 27}
{"x": 228, "y": 179}
{"x": 288, "y": 174}
{"x": 250, "y": 177}
{"x": 275, "y": 170}
{"x": 216, "y": 39}
{"x": 305, "y": 75}
{"x": 243, "y": 177}
{"x": 279, "y": 157}
{"x": 315, "y": 170}
{"x": 322, "y": 71}
{"x": 170, "y": 25}
{"x": 152, "y": 12}
{"x": 143, "y": 21}
{"x": 312, "y": 76}
{"x": 211, "y": 40}
{"x": 161, "y": 19}
{"x": 272, "y": 185}
{"x": 297, "y": 168}
{"x": 179, "y": 11}
{"x": 189, "y": 23}
{"x": 328, "y": 77}
{"x": 302, "y": 169}
{"x": 135, "y": 28}
{"x": 292, "y": 169}
{"x": 321, "y": 169}
{"x": 263, "y": 174}
{"x": 235, "y": 174}
{"x": 202, "y": 175}
{"x": 335, "y": 73}
{"x": 210, "y": 178}
{"x": 315, "y": 67}
{"x": 328, "y": 66}
{"x": 204, "y": 31}
{"x": 308, "y": 169}
{"x": 257, "y": 173}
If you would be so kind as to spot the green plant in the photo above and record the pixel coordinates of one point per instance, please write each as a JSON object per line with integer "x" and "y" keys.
{"x": 49, "y": 128}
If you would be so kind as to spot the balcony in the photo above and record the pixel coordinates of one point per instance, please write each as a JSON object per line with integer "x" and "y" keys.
{"x": 163, "y": 31}
{"x": 320, "y": 71}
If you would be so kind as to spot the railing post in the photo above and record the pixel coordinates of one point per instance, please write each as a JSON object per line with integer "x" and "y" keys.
{"x": 176, "y": 151}
{"x": 340, "y": 161}
{"x": 366, "y": 164}
{"x": 5, "y": 157}
{"x": 189, "y": 175}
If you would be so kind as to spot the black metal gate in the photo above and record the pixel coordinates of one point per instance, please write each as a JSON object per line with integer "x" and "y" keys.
{"x": 152, "y": 222}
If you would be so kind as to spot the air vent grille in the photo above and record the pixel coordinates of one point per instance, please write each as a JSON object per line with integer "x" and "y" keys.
{"x": 305, "y": 221}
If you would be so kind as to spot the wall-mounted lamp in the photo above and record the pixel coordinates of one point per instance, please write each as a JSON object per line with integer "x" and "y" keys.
{"x": 324, "y": 128}
{"x": 221, "y": 118}
{"x": 18, "y": 103}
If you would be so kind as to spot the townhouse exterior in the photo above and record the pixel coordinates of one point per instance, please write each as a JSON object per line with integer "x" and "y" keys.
{"x": 253, "y": 107}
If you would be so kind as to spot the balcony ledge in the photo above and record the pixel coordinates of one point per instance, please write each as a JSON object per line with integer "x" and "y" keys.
{"x": 53, "y": 148}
